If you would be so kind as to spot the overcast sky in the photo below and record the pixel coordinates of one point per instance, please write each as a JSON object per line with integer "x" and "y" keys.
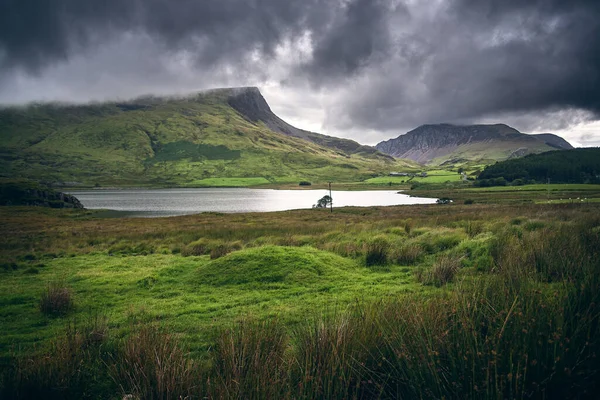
{"x": 363, "y": 69}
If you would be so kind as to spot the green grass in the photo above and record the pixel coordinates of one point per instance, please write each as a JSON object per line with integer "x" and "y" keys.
{"x": 539, "y": 187}
{"x": 229, "y": 182}
{"x": 433, "y": 176}
{"x": 193, "y": 295}
{"x": 475, "y": 301}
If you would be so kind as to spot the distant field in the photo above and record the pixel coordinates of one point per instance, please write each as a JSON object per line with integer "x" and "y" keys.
{"x": 230, "y": 182}
{"x": 537, "y": 187}
{"x": 570, "y": 201}
{"x": 434, "y": 176}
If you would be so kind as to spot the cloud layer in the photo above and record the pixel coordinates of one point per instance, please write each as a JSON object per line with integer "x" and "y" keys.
{"x": 367, "y": 69}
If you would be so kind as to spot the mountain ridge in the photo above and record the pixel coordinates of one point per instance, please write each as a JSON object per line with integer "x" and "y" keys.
{"x": 439, "y": 143}
{"x": 250, "y": 103}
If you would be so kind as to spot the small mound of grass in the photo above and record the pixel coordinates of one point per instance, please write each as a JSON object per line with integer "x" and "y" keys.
{"x": 274, "y": 264}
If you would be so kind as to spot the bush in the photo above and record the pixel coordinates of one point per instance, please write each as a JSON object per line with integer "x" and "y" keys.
{"x": 469, "y": 201}
{"x": 304, "y": 183}
{"x": 56, "y": 300}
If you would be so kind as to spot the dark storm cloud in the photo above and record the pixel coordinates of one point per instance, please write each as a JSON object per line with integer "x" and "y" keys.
{"x": 34, "y": 33}
{"x": 381, "y": 65}
{"x": 477, "y": 59}
{"x": 358, "y": 36}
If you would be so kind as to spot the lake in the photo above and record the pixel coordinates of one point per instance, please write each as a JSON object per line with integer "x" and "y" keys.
{"x": 171, "y": 202}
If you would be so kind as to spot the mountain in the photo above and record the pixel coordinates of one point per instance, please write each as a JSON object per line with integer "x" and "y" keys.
{"x": 226, "y": 137}
{"x": 445, "y": 143}
{"x": 251, "y": 104}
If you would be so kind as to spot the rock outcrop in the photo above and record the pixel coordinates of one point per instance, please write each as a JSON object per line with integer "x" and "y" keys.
{"x": 30, "y": 194}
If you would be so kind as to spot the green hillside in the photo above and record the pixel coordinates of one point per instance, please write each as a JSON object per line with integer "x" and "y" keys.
{"x": 565, "y": 166}
{"x": 198, "y": 140}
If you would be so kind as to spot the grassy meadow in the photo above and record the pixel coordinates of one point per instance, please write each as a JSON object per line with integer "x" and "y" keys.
{"x": 440, "y": 301}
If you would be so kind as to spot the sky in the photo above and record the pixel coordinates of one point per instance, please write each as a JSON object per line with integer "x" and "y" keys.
{"x": 367, "y": 70}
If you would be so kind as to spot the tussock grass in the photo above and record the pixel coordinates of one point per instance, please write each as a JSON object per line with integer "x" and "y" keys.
{"x": 150, "y": 364}
{"x": 377, "y": 252}
{"x": 408, "y": 254}
{"x": 56, "y": 300}
{"x": 443, "y": 271}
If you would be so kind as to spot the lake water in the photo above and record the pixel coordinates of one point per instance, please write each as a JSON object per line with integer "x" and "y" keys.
{"x": 171, "y": 202}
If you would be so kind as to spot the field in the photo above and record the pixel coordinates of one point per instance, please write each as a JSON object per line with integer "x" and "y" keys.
{"x": 433, "y": 176}
{"x": 456, "y": 301}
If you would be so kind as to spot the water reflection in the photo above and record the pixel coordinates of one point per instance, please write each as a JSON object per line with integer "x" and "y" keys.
{"x": 170, "y": 202}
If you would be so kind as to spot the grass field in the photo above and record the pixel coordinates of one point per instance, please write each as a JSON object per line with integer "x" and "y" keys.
{"x": 229, "y": 182}
{"x": 469, "y": 301}
{"x": 539, "y": 187}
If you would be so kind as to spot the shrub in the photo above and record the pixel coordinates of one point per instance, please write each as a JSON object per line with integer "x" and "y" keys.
{"x": 304, "y": 183}
{"x": 469, "y": 201}
{"x": 56, "y": 300}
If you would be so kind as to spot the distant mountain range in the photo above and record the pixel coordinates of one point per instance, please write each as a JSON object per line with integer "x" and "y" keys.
{"x": 454, "y": 144}
{"x": 225, "y": 137}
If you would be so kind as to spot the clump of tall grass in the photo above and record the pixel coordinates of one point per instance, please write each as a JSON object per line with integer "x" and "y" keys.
{"x": 443, "y": 271}
{"x": 71, "y": 367}
{"x": 151, "y": 364}
{"x": 473, "y": 228}
{"x": 199, "y": 247}
{"x": 323, "y": 359}
{"x": 377, "y": 252}
{"x": 408, "y": 254}
{"x": 57, "y": 299}
{"x": 223, "y": 249}
{"x": 249, "y": 361}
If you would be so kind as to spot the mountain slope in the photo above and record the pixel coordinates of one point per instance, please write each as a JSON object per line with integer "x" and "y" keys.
{"x": 250, "y": 103}
{"x": 437, "y": 144}
{"x": 566, "y": 166}
{"x": 175, "y": 141}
